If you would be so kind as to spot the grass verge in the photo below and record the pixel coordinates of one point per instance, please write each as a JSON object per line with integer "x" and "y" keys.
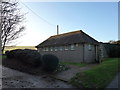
{"x": 73, "y": 63}
{"x": 98, "y": 77}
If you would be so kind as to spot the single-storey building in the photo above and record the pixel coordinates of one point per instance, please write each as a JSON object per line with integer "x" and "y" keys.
{"x": 74, "y": 46}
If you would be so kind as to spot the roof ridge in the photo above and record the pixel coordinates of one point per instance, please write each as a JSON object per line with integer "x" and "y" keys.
{"x": 66, "y": 33}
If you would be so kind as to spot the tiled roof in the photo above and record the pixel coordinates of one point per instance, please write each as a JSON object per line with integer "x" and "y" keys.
{"x": 68, "y": 38}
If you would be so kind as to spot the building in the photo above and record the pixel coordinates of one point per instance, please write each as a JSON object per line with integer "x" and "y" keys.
{"x": 74, "y": 46}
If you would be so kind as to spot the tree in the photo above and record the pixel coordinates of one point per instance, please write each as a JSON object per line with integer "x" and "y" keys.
{"x": 114, "y": 42}
{"x": 11, "y": 19}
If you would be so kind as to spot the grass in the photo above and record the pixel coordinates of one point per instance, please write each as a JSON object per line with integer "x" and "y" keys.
{"x": 98, "y": 77}
{"x": 74, "y": 63}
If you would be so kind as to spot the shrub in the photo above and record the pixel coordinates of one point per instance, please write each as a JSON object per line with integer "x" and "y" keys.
{"x": 32, "y": 57}
{"x": 61, "y": 68}
{"x": 10, "y": 54}
{"x": 113, "y": 50}
{"x": 50, "y": 62}
{"x": 6, "y": 53}
{"x": 27, "y": 56}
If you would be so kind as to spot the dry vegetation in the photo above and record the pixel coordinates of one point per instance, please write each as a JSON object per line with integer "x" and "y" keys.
{"x": 8, "y": 48}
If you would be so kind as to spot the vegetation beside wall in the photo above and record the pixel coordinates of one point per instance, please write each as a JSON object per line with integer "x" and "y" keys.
{"x": 25, "y": 59}
{"x": 27, "y": 56}
{"x": 98, "y": 77}
{"x": 50, "y": 62}
{"x": 113, "y": 50}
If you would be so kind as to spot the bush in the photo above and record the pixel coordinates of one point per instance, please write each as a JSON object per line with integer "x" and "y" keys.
{"x": 32, "y": 57}
{"x": 6, "y": 53}
{"x": 10, "y": 54}
{"x": 50, "y": 62}
{"x": 113, "y": 50}
{"x": 27, "y": 56}
{"x": 61, "y": 68}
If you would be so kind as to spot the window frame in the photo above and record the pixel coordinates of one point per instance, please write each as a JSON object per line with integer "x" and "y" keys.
{"x": 61, "y": 48}
{"x": 66, "y": 47}
{"x": 89, "y": 47}
{"x": 72, "y": 47}
{"x": 55, "y": 48}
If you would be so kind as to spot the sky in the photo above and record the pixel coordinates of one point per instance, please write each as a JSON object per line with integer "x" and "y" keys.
{"x": 97, "y": 19}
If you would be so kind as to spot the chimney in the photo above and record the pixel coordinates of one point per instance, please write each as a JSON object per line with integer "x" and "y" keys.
{"x": 57, "y": 29}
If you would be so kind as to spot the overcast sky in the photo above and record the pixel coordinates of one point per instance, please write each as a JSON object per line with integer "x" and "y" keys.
{"x": 98, "y": 19}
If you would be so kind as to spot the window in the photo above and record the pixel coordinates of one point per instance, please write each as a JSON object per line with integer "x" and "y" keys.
{"x": 46, "y": 49}
{"x": 76, "y": 45}
{"x": 60, "y": 48}
{"x": 66, "y": 47}
{"x": 56, "y": 49}
{"x": 39, "y": 49}
{"x": 89, "y": 47}
{"x": 43, "y": 49}
{"x": 51, "y": 48}
{"x": 72, "y": 47}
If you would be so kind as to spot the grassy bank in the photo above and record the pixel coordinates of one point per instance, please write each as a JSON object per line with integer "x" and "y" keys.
{"x": 98, "y": 77}
{"x": 74, "y": 63}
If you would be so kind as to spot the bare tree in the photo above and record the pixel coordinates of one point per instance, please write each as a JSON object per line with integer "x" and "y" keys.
{"x": 11, "y": 19}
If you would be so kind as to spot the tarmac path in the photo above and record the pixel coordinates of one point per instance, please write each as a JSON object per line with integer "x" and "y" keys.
{"x": 115, "y": 83}
{"x": 15, "y": 79}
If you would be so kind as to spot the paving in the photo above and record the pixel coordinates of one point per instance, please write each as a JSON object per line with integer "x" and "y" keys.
{"x": 67, "y": 75}
{"x": 15, "y": 79}
{"x": 115, "y": 82}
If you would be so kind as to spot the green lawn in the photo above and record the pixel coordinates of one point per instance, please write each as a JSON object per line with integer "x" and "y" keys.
{"x": 98, "y": 77}
{"x": 73, "y": 63}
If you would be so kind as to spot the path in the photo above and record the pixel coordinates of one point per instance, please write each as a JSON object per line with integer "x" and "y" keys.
{"x": 114, "y": 83}
{"x": 15, "y": 79}
{"x": 67, "y": 75}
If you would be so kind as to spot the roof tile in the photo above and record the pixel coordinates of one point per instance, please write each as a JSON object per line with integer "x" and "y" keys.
{"x": 68, "y": 38}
